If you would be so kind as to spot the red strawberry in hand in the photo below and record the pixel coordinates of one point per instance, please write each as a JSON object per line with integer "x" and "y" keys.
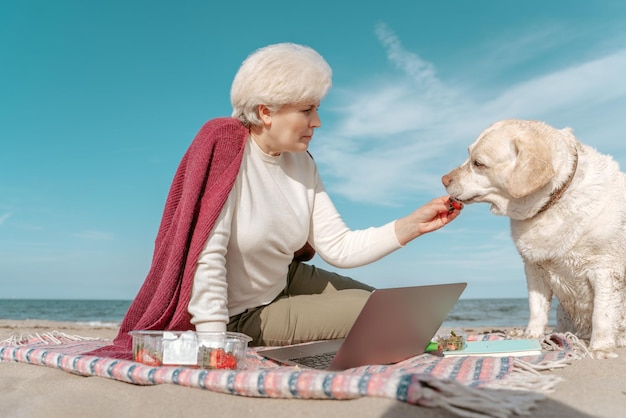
{"x": 454, "y": 204}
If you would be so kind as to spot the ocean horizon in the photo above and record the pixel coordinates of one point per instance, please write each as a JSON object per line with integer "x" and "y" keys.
{"x": 509, "y": 312}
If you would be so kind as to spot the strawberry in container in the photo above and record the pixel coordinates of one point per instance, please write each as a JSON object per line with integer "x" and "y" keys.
{"x": 222, "y": 350}
{"x": 208, "y": 350}
{"x": 217, "y": 358}
{"x": 147, "y": 356}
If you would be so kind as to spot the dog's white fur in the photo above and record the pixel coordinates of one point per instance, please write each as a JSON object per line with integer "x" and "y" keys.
{"x": 575, "y": 249}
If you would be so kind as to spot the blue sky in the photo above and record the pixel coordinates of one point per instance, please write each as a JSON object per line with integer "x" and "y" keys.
{"x": 98, "y": 102}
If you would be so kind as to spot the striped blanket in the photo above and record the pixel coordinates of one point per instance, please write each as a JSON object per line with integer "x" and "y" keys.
{"x": 467, "y": 386}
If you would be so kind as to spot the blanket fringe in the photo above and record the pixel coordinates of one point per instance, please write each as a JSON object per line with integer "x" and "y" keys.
{"x": 525, "y": 377}
{"x": 52, "y": 337}
{"x": 468, "y": 402}
{"x": 577, "y": 345}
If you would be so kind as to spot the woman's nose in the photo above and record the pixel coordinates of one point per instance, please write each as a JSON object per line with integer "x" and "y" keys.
{"x": 316, "y": 121}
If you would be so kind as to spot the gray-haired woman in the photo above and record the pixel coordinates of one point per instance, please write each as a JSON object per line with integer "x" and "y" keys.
{"x": 248, "y": 196}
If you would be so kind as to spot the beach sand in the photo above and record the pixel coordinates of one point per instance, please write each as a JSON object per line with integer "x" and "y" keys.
{"x": 590, "y": 388}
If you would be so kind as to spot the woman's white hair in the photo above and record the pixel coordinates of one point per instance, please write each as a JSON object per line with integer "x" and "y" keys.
{"x": 277, "y": 75}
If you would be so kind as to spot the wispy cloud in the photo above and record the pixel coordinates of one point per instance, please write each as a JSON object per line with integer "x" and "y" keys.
{"x": 398, "y": 136}
{"x": 421, "y": 72}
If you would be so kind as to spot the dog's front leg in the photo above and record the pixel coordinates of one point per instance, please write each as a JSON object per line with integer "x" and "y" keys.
{"x": 606, "y": 312}
{"x": 539, "y": 299}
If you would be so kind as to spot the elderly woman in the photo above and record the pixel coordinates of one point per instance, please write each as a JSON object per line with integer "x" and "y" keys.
{"x": 247, "y": 196}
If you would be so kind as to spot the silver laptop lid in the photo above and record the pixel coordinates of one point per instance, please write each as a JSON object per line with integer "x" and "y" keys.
{"x": 396, "y": 324}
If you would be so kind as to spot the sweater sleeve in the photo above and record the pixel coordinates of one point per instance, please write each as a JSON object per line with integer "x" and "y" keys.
{"x": 208, "y": 305}
{"x": 341, "y": 247}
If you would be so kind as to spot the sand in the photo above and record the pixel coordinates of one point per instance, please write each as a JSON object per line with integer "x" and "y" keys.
{"x": 590, "y": 388}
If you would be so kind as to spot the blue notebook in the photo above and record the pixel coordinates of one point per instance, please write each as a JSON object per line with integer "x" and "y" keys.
{"x": 498, "y": 348}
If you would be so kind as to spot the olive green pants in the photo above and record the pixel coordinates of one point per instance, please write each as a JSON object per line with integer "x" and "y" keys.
{"x": 315, "y": 305}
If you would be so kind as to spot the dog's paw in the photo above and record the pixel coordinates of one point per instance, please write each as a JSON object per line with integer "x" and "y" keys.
{"x": 603, "y": 354}
{"x": 533, "y": 333}
{"x": 602, "y": 348}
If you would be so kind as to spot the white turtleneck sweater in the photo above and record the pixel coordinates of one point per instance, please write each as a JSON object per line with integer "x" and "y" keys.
{"x": 276, "y": 205}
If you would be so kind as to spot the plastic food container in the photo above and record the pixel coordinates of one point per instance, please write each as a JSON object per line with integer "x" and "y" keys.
{"x": 451, "y": 340}
{"x": 207, "y": 350}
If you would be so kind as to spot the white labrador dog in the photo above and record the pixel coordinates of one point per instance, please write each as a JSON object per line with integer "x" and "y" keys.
{"x": 567, "y": 206}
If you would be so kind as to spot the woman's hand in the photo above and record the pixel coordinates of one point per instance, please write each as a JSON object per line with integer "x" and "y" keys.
{"x": 430, "y": 217}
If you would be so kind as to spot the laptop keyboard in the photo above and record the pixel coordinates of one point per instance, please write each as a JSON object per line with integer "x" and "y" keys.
{"x": 318, "y": 361}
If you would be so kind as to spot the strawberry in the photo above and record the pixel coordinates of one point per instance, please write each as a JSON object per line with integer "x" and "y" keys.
{"x": 220, "y": 359}
{"x": 146, "y": 357}
{"x": 454, "y": 204}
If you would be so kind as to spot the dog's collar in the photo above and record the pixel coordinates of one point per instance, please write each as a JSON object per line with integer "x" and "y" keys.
{"x": 556, "y": 195}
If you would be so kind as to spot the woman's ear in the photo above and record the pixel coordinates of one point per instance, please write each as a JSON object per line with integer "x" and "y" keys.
{"x": 265, "y": 115}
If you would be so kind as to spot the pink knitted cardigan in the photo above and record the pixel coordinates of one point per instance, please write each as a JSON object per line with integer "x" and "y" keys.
{"x": 198, "y": 192}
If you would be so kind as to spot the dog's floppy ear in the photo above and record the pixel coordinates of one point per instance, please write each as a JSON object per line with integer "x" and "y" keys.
{"x": 533, "y": 167}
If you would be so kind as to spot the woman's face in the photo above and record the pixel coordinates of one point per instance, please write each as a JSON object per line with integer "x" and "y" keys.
{"x": 290, "y": 129}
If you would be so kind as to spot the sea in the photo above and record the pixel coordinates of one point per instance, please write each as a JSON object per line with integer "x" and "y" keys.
{"x": 466, "y": 312}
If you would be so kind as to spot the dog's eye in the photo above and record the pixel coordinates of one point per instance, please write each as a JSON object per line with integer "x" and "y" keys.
{"x": 477, "y": 164}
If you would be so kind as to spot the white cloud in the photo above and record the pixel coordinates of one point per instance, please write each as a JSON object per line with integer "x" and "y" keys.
{"x": 589, "y": 84}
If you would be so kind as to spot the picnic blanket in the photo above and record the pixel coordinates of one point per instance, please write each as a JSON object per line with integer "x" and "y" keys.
{"x": 467, "y": 386}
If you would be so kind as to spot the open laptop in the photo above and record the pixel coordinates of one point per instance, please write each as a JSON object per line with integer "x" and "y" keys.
{"x": 394, "y": 325}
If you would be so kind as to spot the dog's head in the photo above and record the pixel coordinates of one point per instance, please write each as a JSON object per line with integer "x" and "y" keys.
{"x": 510, "y": 166}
